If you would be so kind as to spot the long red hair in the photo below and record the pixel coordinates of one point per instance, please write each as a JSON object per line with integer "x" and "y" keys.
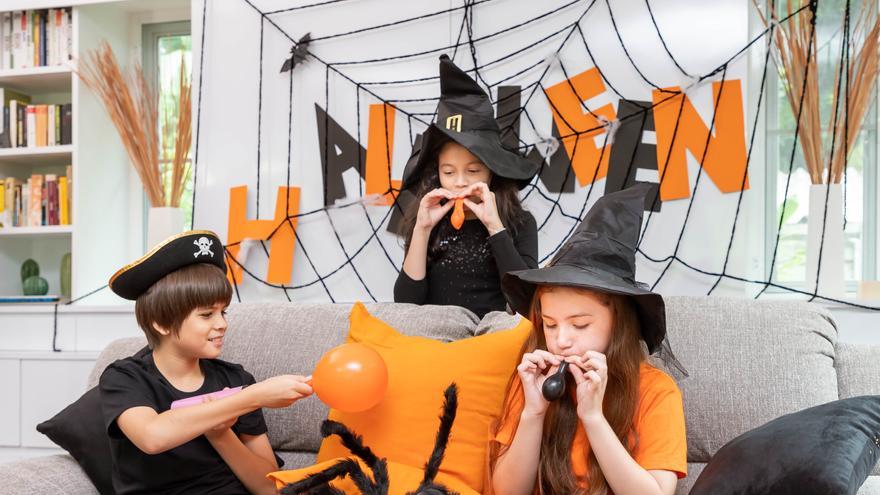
{"x": 625, "y": 355}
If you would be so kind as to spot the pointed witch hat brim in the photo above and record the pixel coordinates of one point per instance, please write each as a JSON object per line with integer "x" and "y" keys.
{"x": 465, "y": 115}
{"x": 599, "y": 256}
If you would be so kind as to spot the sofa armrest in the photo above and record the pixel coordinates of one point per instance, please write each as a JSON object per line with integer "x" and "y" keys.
{"x": 48, "y": 474}
{"x": 857, "y": 366}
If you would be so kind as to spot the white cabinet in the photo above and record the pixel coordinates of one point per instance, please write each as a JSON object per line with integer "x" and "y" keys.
{"x": 10, "y": 413}
{"x": 34, "y": 386}
{"x": 47, "y": 387}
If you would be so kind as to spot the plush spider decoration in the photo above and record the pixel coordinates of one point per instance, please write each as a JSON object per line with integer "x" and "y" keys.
{"x": 319, "y": 483}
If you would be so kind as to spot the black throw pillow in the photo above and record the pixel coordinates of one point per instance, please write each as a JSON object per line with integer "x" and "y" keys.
{"x": 79, "y": 429}
{"x": 828, "y": 450}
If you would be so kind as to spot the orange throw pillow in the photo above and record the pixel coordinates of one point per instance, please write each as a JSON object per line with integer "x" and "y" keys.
{"x": 402, "y": 479}
{"x": 402, "y": 427}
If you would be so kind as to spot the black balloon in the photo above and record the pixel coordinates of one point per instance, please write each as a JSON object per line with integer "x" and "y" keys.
{"x": 554, "y": 386}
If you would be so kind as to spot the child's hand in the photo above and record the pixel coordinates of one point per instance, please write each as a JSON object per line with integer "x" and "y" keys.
{"x": 430, "y": 209}
{"x": 531, "y": 373}
{"x": 591, "y": 376}
{"x": 486, "y": 210}
{"x": 281, "y": 391}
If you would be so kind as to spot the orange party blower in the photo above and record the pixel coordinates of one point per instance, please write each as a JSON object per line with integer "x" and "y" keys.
{"x": 457, "y": 218}
{"x": 351, "y": 378}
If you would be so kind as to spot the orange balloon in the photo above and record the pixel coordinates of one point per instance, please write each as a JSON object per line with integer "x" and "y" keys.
{"x": 457, "y": 217}
{"x": 351, "y": 378}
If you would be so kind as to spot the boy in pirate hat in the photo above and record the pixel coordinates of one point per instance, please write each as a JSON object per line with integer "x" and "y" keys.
{"x": 219, "y": 446}
{"x": 619, "y": 425}
{"x": 460, "y": 157}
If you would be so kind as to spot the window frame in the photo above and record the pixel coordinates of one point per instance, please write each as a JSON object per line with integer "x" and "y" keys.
{"x": 150, "y": 34}
{"x": 771, "y": 134}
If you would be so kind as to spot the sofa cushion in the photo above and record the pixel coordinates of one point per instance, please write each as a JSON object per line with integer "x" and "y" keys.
{"x": 403, "y": 426}
{"x": 824, "y": 450}
{"x": 48, "y": 474}
{"x": 857, "y": 366}
{"x": 271, "y": 339}
{"x": 857, "y": 373}
{"x": 749, "y": 362}
{"x": 295, "y": 459}
{"x": 118, "y": 349}
{"x": 496, "y": 321}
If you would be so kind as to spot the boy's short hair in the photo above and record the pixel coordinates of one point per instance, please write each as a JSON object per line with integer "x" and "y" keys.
{"x": 170, "y": 300}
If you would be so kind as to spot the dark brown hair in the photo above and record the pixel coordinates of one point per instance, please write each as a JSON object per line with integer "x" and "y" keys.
{"x": 625, "y": 356}
{"x": 506, "y": 191}
{"x": 169, "y": 301}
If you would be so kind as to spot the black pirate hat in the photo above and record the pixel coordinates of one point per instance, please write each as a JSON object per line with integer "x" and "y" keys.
{"x": 600, "y": 255}
{"x": 174, "y": 253}
{"x": 465, "y": 115}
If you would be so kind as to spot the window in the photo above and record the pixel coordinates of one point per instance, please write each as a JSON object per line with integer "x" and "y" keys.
{"x": 860, "y": 236}
{"x": 165, "y": 47}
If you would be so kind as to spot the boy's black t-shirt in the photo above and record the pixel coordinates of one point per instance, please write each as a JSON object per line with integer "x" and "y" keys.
{"x": 192, "y": 468}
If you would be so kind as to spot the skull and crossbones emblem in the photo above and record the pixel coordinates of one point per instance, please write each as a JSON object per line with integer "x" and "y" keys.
{"x": 204, "y": 244}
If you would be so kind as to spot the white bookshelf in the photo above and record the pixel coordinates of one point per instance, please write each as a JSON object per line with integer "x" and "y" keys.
{"x": 45, "y": 244}
{"x": 36, "y": 154}
{"x": 40, "y": 79}
{"x": 44, "y": 231}
{"x": 105, "y": 192}
{"x": 106, "y": 231}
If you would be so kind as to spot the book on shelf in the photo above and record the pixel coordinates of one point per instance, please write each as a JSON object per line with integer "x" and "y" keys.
{"x": 48, "y": 298}
{"x": 32, "y": 124}
{"x": 7, "y": 96}
{"x": 63, "y": 201}
{"x": 39, "y": 200}
{"x": 66, "y": 131}
{"x": 35, "y": 213}
{"x": 41, "y": 129}
{"x": 35, "y": 38}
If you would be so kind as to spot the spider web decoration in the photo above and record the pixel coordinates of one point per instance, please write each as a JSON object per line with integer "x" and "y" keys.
{"x": 342, "y": 245}
{"x": 384, "y": 56}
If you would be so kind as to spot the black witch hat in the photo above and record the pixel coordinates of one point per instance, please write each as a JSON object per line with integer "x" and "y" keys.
{"x": 465, "y": 115}
{"x": 600, "y": 255}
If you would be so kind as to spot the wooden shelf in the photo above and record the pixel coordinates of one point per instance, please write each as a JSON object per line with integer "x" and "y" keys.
{"x": 38, "y": 155}
{"x": 53, "y": 79}
{"x": 45, "y": 230}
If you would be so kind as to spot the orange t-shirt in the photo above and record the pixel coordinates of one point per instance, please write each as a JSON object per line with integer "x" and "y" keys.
{"x": 659, "y": 423}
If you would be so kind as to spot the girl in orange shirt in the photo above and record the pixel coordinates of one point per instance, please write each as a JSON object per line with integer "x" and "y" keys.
{"x": 618, "y": 426}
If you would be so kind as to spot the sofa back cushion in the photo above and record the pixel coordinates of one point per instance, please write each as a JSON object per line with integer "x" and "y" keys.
{"x": 749, "y": 362}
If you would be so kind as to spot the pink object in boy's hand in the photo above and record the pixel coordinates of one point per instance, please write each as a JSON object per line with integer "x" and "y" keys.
{"x": 198, "y": 399}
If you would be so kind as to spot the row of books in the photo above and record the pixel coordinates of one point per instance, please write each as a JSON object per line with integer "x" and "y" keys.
{"x": 35, "y": 38}
{"x": 25, "y": 124}
{"x": 37, "y": 201}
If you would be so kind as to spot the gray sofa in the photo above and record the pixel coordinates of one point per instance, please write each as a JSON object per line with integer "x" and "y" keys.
{"x": 749, "y": 362}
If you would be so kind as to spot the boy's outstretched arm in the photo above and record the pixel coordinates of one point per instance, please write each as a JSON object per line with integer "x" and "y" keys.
{"x": 155, "y": 433}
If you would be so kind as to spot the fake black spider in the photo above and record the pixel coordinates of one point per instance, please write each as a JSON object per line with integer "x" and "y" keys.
{"x": 319, "y": 483}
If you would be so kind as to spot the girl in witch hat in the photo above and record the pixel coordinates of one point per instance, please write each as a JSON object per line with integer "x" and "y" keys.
{"x": 466, "y": 226}
{"x": 609, "y": 421}
{"x": 458, "y": 257}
